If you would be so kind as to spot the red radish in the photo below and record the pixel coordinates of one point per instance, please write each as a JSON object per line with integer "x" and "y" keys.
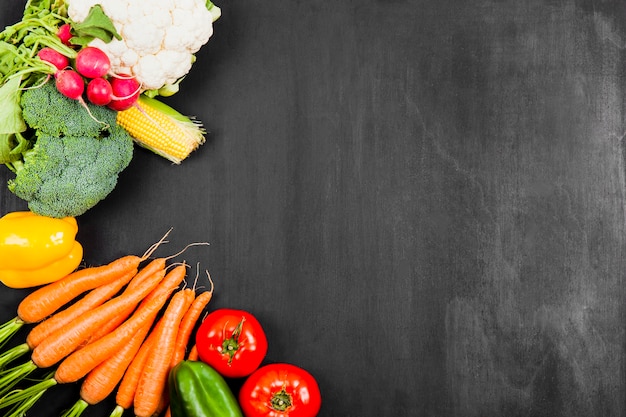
{"x": 64, "y": 33}
{"x": 125, "y": 92}
{"x": 70, "y": 84}
{"x": 53, "y": 57}
{"x": 92, "y": 62}
{"x": 99, "y": 91}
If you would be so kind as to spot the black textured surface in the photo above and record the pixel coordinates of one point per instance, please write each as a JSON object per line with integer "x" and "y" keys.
{"x": 422, "y": 201}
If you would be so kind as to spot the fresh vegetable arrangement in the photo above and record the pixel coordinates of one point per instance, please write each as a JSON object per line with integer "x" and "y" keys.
{"x": 231, "y": 344}
{"x": 126, "y": 330}
{"x": 89, "y": 327}
{"x": 80, "y": 82}
{"x": 79, "y": 86}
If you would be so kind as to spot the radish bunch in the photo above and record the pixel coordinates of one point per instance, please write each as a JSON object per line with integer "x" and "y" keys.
{"x": 91, "y": 76}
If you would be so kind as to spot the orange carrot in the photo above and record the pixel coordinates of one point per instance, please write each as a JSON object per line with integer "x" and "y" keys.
{"x": 80, "y": 362}
{"x": 128, "y": 386}
{"x": 95, "y": 298}
{"x": 164, "y": 403}
{"x": 193, "y": 353}
{"x": 154, "y": 265}
{"x": 74, "y": 367}
{"x": 48, "y": 299}
{"x": 110, "y": 325}
{"x": 188, "y": 323}
{"x": 123, "y": 315}
{"x": 153, "y": 380}
{"x": 103, "y": 379}
{"x": 65, "y": 340}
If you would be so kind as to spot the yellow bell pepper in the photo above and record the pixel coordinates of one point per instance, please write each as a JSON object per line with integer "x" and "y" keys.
{"x": 36, "y": 250}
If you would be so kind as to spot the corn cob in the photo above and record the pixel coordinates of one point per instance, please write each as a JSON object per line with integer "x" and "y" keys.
{"x": 161, "y": 129}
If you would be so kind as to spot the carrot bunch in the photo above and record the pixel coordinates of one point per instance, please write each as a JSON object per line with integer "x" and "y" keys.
{"x": 124, "y": 325}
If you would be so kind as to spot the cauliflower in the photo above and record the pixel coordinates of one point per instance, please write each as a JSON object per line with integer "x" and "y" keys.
{"x": 159, "y": 37}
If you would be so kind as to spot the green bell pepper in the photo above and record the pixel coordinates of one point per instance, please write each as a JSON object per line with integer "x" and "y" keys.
{"x": 198, "y": 390}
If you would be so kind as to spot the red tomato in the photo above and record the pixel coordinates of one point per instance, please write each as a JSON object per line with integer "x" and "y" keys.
{"x": 231, "y": 341}
{"x": 280, "y": 390}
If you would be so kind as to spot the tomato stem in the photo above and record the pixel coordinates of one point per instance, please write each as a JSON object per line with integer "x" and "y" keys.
{"x": 230, "y": 345}
{"x": 281, "y": 400}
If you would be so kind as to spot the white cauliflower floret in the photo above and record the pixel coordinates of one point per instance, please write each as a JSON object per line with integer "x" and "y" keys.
{"x": 149, "y": 66}
{"x": 159, "y": 37}
{"x": 141, "y": 36}
{"x": 162, "y": 20}
{"x": 128, "y": 59}
{"x": 116, "y": 10}
{"x": 79, "y": 9}
{"x": 186, "y": 4}
{"x": 174, "y": 63}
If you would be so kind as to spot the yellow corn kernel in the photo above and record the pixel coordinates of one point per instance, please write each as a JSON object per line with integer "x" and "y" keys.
{"x": 161, "y": 129}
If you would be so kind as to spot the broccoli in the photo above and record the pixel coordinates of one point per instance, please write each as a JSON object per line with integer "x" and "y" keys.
{"x": 74, "y": 160}
{"x": 48, "y": 111}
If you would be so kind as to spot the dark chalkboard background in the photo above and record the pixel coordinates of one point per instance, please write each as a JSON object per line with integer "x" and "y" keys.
{"x": 422, "y": 201}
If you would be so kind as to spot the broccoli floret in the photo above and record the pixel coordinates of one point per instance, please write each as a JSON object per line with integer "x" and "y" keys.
{"x": 67, "y": 175}
{"x": 70, "y": 157}
{"x": 50, "y": 112}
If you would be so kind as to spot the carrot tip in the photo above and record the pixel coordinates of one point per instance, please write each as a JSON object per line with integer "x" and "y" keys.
{"x": 155, "y": 245}
{"x": 210, "y": 281}
{"x": 187, "y": 247}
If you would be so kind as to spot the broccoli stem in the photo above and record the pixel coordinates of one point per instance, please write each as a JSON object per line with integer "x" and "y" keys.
{"x": 15, "y": 166}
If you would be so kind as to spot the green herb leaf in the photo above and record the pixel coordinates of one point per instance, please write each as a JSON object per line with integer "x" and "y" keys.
{"x": 216, "y": 12}
{"x": 11, "y": 120}
{"x": 7, "y": 143}
{"x": 12, "y": 146}
{"x": 96, "y": 25}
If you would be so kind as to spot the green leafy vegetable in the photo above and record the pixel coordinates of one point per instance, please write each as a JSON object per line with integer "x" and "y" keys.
{"x": 74, "y": 161}
{"x": 48, "y": 111}
{"x": 96, "y": 25}
{"x": 11, "y": 120}
{"x": 12, "y": 146}
{"x": 20, "y": 68}
{"x": 66, "y": 155}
